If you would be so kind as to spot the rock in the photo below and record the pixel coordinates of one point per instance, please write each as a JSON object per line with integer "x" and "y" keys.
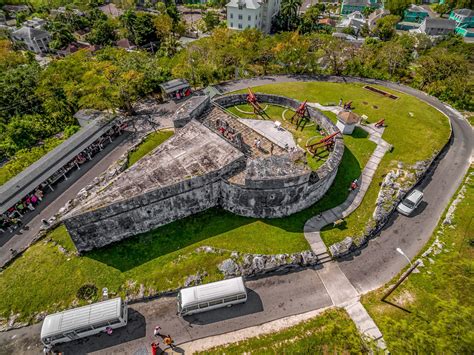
{"x": 229, "y": 268}
{"x": 309, "y": 258}
{"x": 40, "y": 316}
{"x": 234, "y": 255}
{"x": 61, "y": 249}
{"x": 205, "y": 249}
{"x": 296, "y": 259}
{"x": 141, "y": 292}
{"x": 193, "y": 280}
{"x": 341, "y": 248}
{"x": 258, "y": 263}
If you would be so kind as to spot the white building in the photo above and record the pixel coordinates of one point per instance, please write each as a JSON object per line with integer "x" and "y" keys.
{"x": 242, "y": 14}
{"x": 35, "y": 39}
{"x": 354, "y": 20}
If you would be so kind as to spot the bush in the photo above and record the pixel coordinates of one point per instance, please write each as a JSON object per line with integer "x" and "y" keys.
{"x": 87, "y": 292}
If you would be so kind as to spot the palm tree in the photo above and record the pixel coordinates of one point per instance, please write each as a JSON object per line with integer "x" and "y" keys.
{"x": 289, "y": 9}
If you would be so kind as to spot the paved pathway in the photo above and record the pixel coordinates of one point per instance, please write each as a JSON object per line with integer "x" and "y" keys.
{"x": 375, "y": 266}
{"x": 340, "y": 289}
{"x": 77, "y": 180}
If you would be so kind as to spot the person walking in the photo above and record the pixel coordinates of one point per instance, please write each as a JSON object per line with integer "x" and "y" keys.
{"x": 156, "y": 331}
{"x": 169, "y": 341}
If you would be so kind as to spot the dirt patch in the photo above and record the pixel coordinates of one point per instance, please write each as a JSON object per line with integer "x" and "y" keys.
{"x": 405, "y": 298}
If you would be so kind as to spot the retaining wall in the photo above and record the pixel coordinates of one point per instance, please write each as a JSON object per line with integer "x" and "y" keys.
{"x": 280, "y": 196}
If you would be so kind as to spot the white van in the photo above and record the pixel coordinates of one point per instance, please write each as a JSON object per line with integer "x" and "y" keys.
{"x": 84, "y": 321}
{"x": 410, "y": 202}
{"x": 211, "y": 296}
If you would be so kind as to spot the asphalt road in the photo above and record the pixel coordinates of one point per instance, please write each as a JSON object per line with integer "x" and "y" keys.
{"x": 279, "y": 296}
{"x": 378, "y": 262}
{"x": 296, "y": 292}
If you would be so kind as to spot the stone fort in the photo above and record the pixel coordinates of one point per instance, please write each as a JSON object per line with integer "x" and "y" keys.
{"x": 199, "y": 167}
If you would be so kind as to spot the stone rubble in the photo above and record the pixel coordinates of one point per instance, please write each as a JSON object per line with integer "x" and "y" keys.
{"x": 258, "y": 264}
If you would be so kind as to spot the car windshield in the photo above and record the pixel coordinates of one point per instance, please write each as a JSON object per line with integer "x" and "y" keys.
{"x": 408, "y": 203}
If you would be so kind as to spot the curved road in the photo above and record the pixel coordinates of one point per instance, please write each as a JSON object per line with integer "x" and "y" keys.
{"x": 378, "y": 262}
{"x": 297, "y": 292}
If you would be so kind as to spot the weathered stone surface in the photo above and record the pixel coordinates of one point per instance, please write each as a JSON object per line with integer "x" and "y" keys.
{"x": 341, "y": 248}
{"x": 190, "y": 173}
{"x": 229, "y": 268}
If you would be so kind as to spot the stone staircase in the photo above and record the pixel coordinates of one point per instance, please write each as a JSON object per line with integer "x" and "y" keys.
{"x": 214, "y": 114}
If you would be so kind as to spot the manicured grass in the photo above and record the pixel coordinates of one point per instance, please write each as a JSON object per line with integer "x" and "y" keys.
{"x": 163, "y": 258}
{"x": 24, "y": 158}
{"x": 439, "y": 298}
{"x": 332, "y": 332}
{"x": 278, "y": 113}
{"x": 151, "y": 142}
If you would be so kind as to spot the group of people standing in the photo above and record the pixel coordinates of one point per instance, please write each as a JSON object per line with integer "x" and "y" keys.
{"x": 167, "y": 340}
{"x": 11, "y": 219}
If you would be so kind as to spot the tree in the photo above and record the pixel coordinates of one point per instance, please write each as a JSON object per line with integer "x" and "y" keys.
{"x": 309, "y": 20}
{"x": 394, "y": 55}
{"x": 61, "y": 35}
{"x": 163, "y": 25}
{"x": 397, "y": 7}
{"x": 211, "y": 20}
{"x": 335, "y": 53}
{"x": 385, "y": 27}
{"x": 144, "y": 30}
{"x": 102, "y": 33}
{"x": 289, "y": 11}
{"x": 17, "y": 90}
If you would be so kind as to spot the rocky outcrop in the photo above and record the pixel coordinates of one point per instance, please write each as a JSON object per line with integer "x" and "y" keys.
{"x": 258, "y": 264}
{"x": 341, "y": 248}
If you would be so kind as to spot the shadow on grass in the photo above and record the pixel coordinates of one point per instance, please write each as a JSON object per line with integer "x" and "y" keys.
{"x": 137, "y": 250}
{"x": 359, "y": 133}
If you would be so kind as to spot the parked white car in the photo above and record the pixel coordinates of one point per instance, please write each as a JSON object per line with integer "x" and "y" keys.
{"x": 410, "y": 202}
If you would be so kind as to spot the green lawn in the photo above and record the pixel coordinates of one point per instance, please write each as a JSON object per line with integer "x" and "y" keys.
{"x": 439, "y": 298}
{"x": 332, "y": 332}
{"x": 162, "y": 259}
{"x": 151, "y": 142}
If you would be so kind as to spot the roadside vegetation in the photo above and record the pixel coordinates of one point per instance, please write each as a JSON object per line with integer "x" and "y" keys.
{"x": 332, "y": 332}
{"x": 433, "y": 310}
{"x": 162, "y": 259}
{"x": 152, "y": 141}
{"x": 415, "y": 129}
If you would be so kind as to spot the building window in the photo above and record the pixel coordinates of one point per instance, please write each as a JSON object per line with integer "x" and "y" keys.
{"x": 240, "y": 17}
{"x": 231, "y": 24}
{"x": 240, "y": 26}
{"x": 255, "y": 17}
{"x": 248, "y": 26}
{"x": 231, "y": 15}
{"x": 250, "y": 18}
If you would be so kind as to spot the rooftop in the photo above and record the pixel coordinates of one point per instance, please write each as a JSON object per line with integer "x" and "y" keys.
{"x": 416, "y": 8}
{"x": 30, "y": 33}
{"x": 348, "y": 117}
{"x": 38, "y": 172}
{"x": 464, "y": 12}
{"x": 174, "y": 85}
{"x": 439, "y": 23}
{"x": 249, "y": 4}
{"x": 193, "y": 151}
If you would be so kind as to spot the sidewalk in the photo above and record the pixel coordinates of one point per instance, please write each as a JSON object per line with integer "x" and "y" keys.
{"x": 339, "y": 288}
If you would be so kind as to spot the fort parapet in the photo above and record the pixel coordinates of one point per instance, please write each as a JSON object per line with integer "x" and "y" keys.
{"x": 197, "y": 169}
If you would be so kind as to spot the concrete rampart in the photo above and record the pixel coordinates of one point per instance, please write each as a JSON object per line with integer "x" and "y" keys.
{"x": 193, "y": 171}
{"x": 277, "y": 186}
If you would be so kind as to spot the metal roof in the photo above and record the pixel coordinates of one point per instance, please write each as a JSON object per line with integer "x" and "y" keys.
{"x": 174, "y": 85}
{"x": 212, "y": 291}
{"x": 19, "y": 186}
{"x": 71, "y": 319}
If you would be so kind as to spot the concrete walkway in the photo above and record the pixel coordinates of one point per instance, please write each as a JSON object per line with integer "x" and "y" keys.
{"x": 339, "y": 288}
